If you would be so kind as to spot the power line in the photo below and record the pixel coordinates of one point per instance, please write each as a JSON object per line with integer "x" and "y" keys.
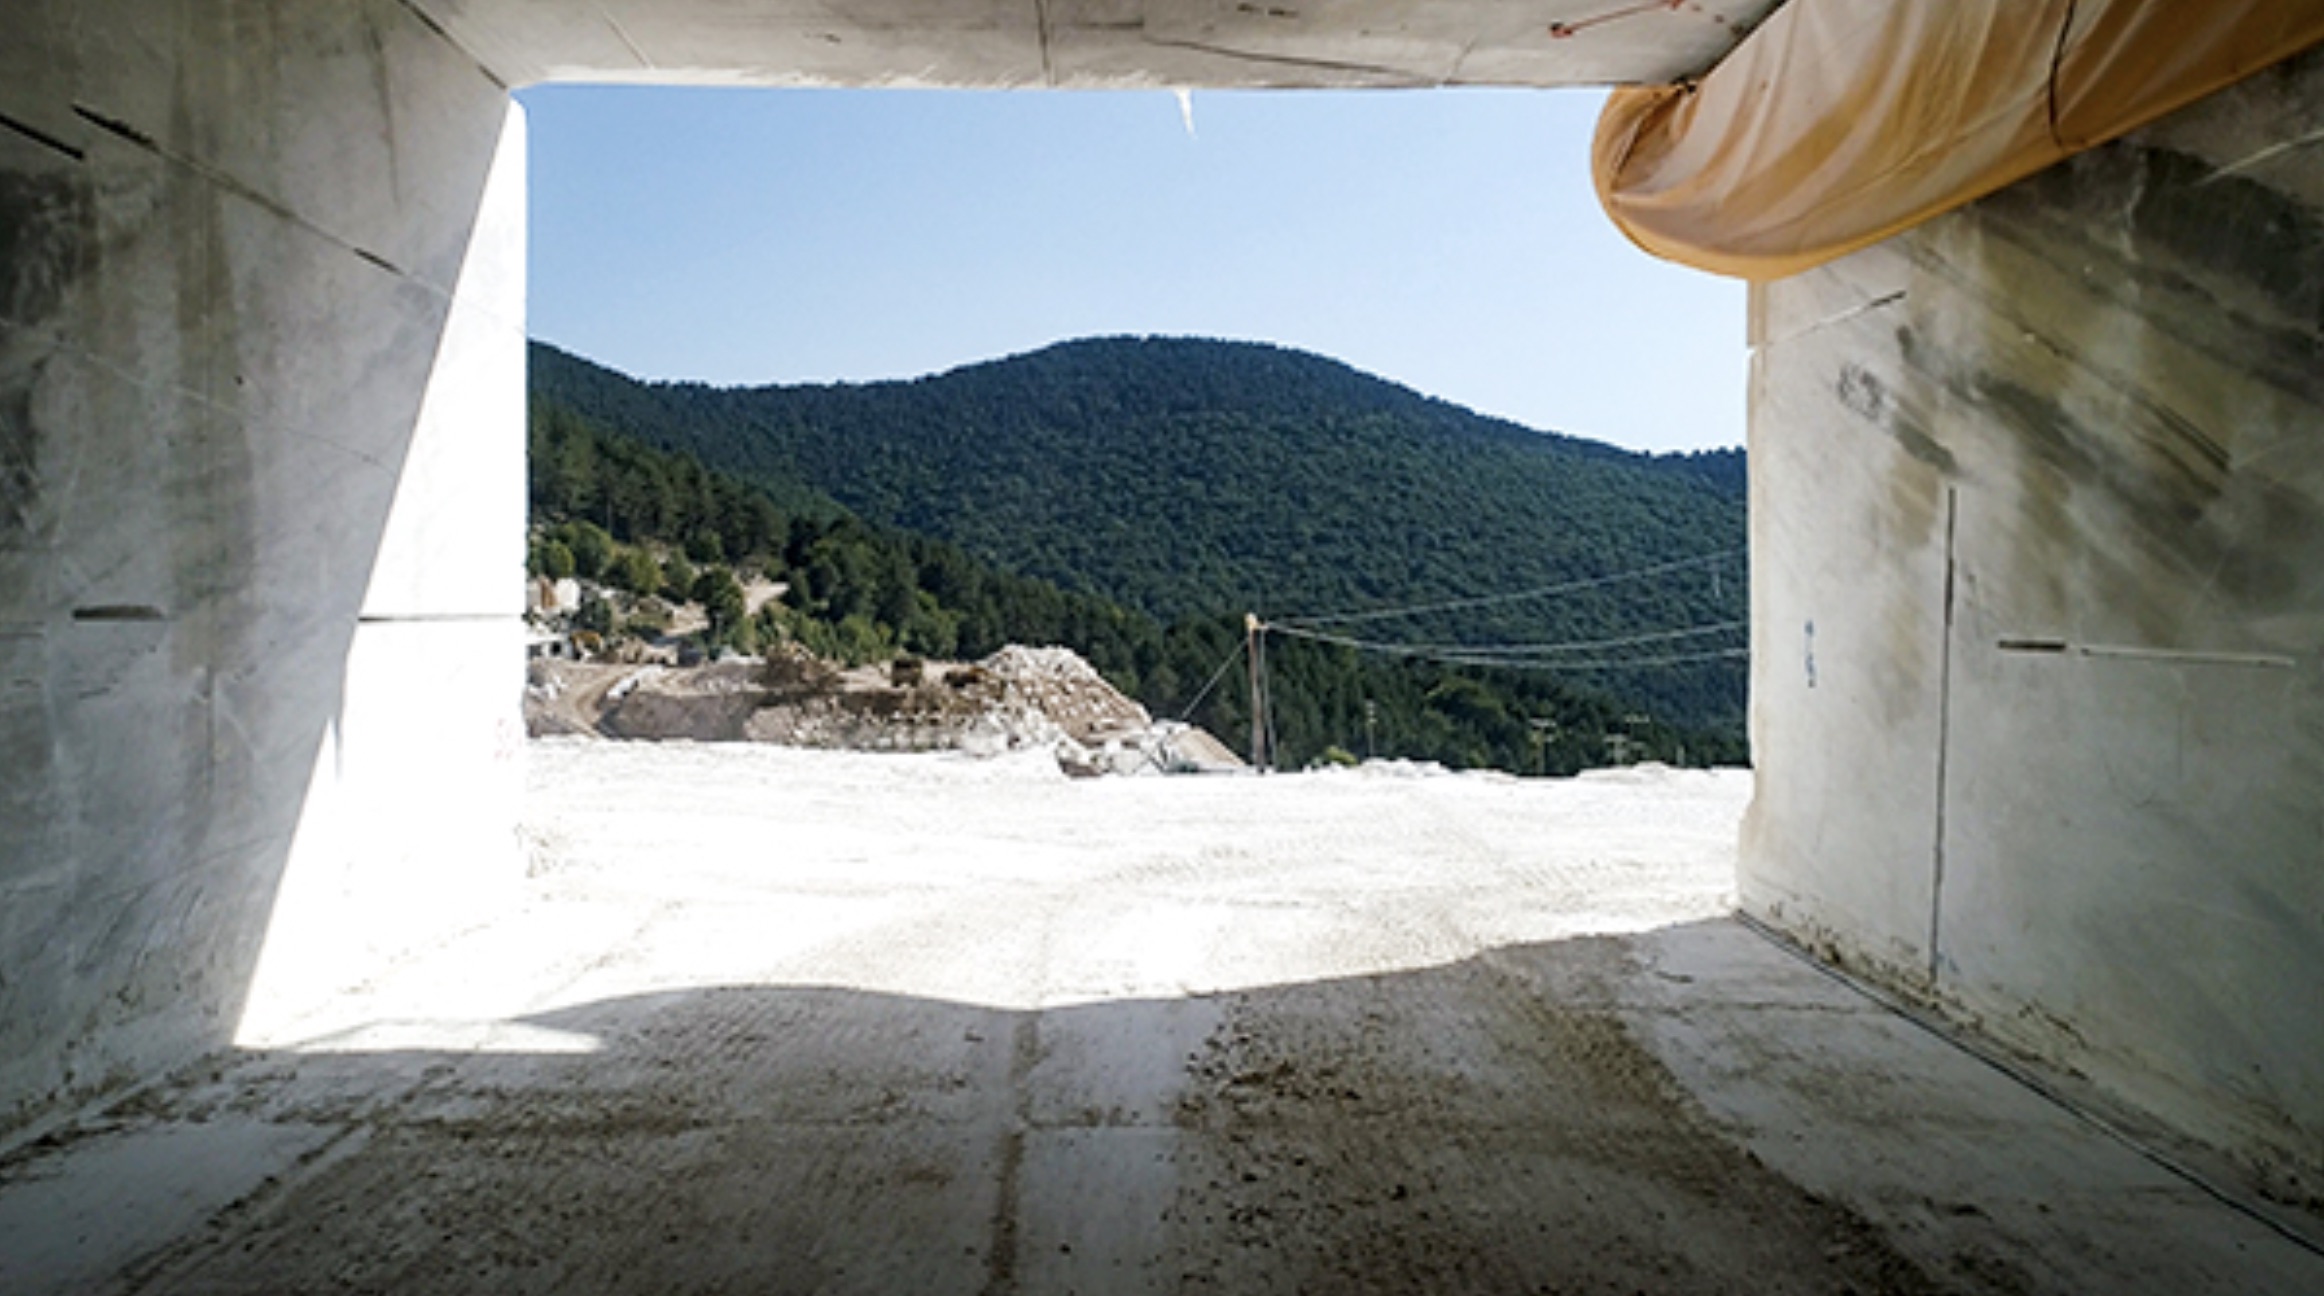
{"x": 1153, "y": 757}
{"x": 1515, "y": 650}
{"x": 1612, "y": 664}
{"x": 1215, "y": 677}
{"x": 1497, "y": 656}
{"x": 1489, "y": 600}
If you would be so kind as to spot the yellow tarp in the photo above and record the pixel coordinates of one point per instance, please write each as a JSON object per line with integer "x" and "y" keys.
{"x": 1841, "y": 122}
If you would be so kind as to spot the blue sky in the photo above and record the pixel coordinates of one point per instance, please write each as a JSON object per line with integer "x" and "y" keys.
{"x": 1448, "y": 240}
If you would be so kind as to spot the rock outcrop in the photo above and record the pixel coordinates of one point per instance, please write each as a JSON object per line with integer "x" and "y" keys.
{"x": 1016, "y": 699}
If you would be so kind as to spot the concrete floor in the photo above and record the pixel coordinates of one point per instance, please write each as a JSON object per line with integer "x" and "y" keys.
{"x": 779, "y": 1022}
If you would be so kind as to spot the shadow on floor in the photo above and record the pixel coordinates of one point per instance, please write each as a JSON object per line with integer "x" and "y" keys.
{"x": 1508, "y": 1123}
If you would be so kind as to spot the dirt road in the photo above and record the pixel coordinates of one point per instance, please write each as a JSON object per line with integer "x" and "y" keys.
{"x": 773, "y": 1021}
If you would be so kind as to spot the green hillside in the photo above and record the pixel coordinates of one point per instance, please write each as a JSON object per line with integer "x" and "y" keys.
{"x": 1192, "y": 478}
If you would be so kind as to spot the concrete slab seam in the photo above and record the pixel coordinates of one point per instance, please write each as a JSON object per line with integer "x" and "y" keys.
{"x": 1395, "y": 76}
{"x": 1944, "y": 734}
{"x": 93, "y": 1106}
{"x": 628, "y": 42}
{"x": 2026, "y": 644}
{"x": 1839, "y": 317}
{"x": 1008, "y": 1190}
{"x": 42, "y": 138}
{"x": 205, "y": 401}
{"x": 435, "y": 618}
{"x": 2261, "y": 158}
{"x": 1935, "y": 1025}
{"x": 1452, "y": 75}
{"x": 428, "y": 21}
{"x": 1041, "y": 25}
{"x": 120, "y": 612}
{"x": 160, "y": 1269}
{"x": 229, "y": 184}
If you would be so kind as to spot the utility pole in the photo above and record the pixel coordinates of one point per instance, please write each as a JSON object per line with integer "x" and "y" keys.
{"x": 1544, "y": 732}
{"x": 1620, "y": 747}
{"x": 1371, "y": 722}
{"x": 1255, "y": 644}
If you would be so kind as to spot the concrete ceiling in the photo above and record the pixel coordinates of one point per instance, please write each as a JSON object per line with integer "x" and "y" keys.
{"x": 1098, "y": 43}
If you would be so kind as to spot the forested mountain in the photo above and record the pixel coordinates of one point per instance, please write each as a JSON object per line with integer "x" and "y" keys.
{"x": 1192, "y": 478}
{"x": 607, "y": 507}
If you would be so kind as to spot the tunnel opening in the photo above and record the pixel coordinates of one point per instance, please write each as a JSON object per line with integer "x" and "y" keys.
{"x": 1031, "y": 219}
{"x": 319, "y": 923}
{"x": 248, "y": 255}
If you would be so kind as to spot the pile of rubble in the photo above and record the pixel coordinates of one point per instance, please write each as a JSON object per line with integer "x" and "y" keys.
{"x": 1016, "y": 699}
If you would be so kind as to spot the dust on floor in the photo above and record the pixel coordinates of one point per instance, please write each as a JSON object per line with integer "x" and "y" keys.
{"x": 772, "y": 1021}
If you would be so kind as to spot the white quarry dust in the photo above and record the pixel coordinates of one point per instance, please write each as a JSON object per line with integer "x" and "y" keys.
{"x": 779, "y": 1021}
{"x": 1001, "y": 883}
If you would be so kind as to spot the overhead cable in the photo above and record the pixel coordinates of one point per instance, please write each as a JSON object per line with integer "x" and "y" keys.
{"x": 1459, "y": 655}
{"x": 1611, "y": 664}
{"x": 1520, "y": 596}
{"x": 1516, "y": 650}
{"x": 1215, "y": 677}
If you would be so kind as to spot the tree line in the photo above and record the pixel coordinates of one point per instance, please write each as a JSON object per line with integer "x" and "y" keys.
{"x": 664, "y": 528}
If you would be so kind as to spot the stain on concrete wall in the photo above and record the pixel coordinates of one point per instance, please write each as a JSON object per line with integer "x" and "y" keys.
{"x": 2093, "y": 829}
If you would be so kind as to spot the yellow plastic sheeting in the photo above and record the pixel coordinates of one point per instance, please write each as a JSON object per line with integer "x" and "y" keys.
{"x": 1842, "y": 122}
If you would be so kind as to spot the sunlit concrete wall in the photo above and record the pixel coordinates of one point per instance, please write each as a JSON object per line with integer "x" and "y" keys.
{"x": 2038, "y": 570}
{"x": 240, "y": 301}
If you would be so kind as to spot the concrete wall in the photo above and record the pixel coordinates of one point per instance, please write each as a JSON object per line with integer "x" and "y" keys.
{"x": 239, "y": 297}
{"x": 261, "y": 477}
{"x": 1088, "y": 44}
{"x": 2038, "y": 548}
{"x": 2037, "y": 496}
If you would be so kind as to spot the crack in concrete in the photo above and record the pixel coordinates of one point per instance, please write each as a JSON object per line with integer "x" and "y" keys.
{"x": 1041, "y": 25}
{"x": 1397, "y": 76}
{"x": 622, "y": 33}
